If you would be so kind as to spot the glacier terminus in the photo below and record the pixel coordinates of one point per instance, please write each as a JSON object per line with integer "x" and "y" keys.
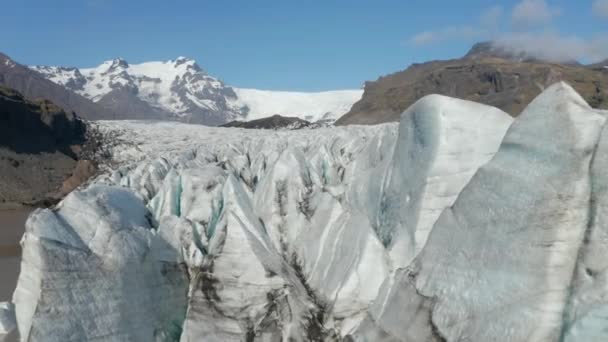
{"x": 459, "y": 223}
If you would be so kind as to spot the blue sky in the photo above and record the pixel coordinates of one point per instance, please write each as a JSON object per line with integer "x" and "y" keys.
{"x": 295, "y": 45}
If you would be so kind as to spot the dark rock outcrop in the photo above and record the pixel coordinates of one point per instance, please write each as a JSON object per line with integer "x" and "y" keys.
{"x": 486, "y": 74}
{"x": 492, "y": 50}
{"x": 40, "y": 145}
{"x": 272, "y": 122}
{"x": 489, "y": 49}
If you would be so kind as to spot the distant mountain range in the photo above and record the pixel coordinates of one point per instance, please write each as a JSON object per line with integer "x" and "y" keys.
{"x": 488, "y": 73}
{"x": 34, "y": 85}
{"x": 181, "y": 90}
{"x": 172, "y": 90}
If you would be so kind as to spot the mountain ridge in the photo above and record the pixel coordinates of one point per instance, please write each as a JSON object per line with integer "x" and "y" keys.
{"x": 34, "y": 85}
{"x": 485, "y": 74}
{"x": 181, "y": 90}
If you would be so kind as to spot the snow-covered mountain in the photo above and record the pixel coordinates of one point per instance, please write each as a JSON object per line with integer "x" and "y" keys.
{"x": 180, "y": 90}
{"x": 461, "y": 223}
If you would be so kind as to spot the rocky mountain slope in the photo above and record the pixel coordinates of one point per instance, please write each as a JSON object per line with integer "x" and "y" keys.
{"x": 181, "y": 90}
{"x": 460, "y": 223}
{"x": 487, "y": 74}
{"x": 172, "y": 90}
{"x": 34, "y": 85}
{"x": 273, "y": 122}
{"x": 40, "y": 145}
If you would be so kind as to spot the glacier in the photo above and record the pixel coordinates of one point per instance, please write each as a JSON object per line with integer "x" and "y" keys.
{"x": 458, "y": 223}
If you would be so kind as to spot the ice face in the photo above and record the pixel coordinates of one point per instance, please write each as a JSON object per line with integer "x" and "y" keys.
{"x": 91, "y": 272}
{"x": 420, "y": 232}
{"x": 498, "y": 264}
{"x": 7, "y": 318}
{"x": 442, "y": 142}
{"x": 587, "y": 309}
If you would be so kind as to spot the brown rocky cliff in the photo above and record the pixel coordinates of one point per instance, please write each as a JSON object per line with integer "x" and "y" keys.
{"x": 39, "y": 150}
{"x": 507, "y": 83}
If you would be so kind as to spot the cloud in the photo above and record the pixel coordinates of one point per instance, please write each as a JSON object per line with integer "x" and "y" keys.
{"x": 533, "y": 37}
{"x": 533, "y": 13}
{"x": 600, "y": 8}
{"x": 448, "y": 33}
{"x": 491, "y": 17}
{"x": 424, "y": 38}
{"x": 555, "y": 47}
{"x": 488, "y": 21}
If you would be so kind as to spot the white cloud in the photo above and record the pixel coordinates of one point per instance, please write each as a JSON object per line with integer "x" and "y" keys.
{"x": 555, "y": 47}
{"x": 424, "y": 38}
{"x": 532, "y": 13}
{"x": 491, "y": 17}
{"x": 600, "y": 8}
{"x": 448, "y": 33}
{"x": 488, "y": 20}
{"x": 532, "y": 36}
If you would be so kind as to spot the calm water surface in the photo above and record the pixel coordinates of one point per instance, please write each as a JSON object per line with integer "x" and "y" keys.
{"x": 12, "y": 226}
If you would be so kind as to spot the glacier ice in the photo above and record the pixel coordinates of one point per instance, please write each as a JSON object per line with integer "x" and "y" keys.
{"x": 586, "y": 316}
{"x": 499, "y": 263}
{"x": 95, "y": 270}
{"x": 241, "y": 226}
{"x": 7, "y": 319}
{"x": 459, "y": 223}
{"x": 442, "y": 142}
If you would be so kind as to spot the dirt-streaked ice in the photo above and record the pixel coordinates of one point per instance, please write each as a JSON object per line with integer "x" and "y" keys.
{"x": 499, "y": 263}
{"x": 442, "y": 142}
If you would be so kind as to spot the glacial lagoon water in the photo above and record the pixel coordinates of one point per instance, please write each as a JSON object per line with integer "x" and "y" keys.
{"x": 12, "y": 226}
